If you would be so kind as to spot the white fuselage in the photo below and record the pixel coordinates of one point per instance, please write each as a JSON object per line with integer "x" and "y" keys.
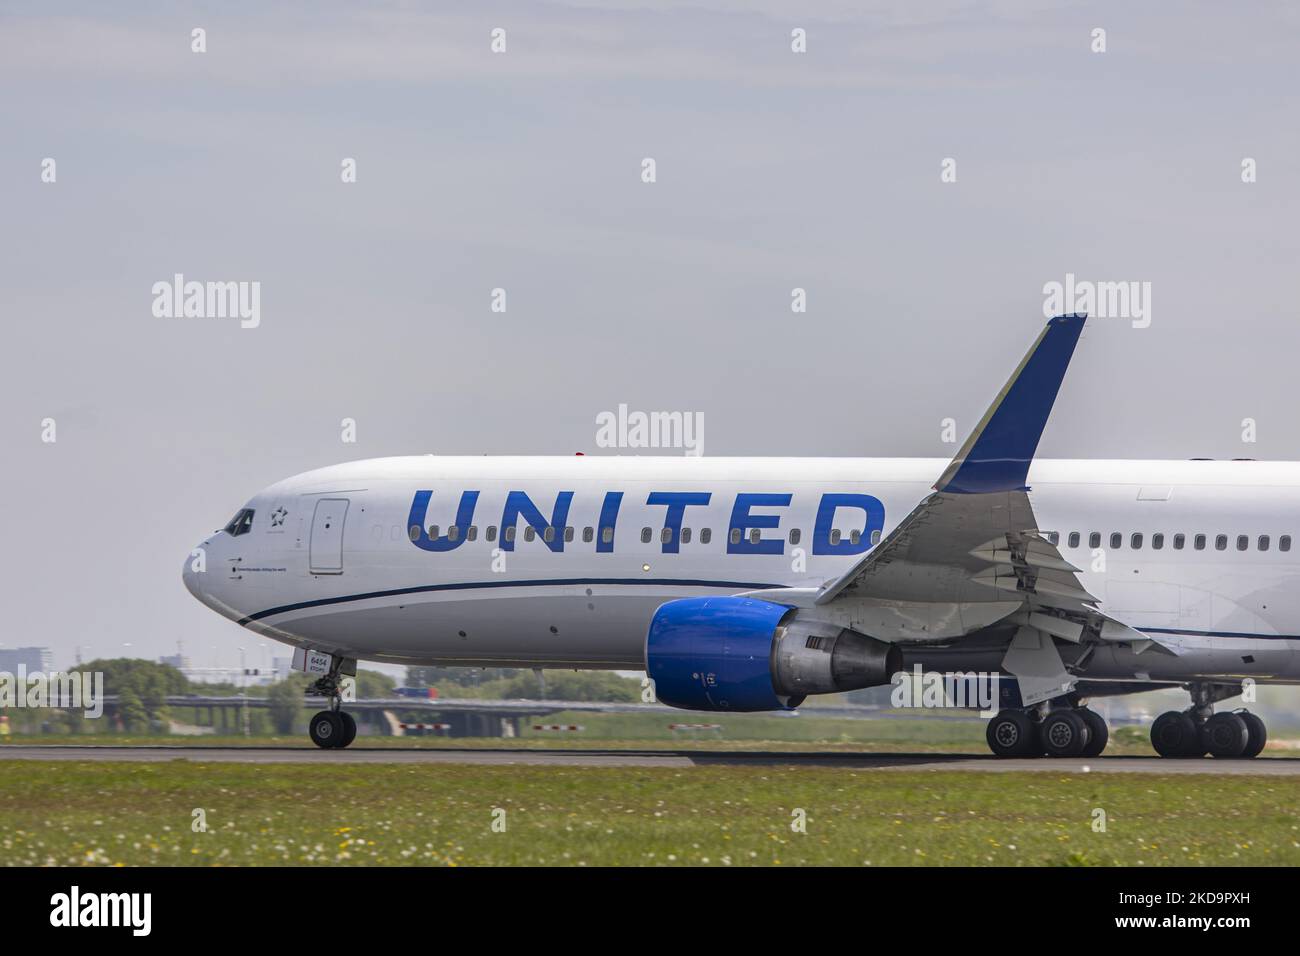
{"x": 345, "y": 559}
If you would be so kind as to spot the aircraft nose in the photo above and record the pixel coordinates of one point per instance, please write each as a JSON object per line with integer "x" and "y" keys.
{"x": 194, "y": 572}
{"x": 205, "y": 576}
{"x": 190, "y": 575}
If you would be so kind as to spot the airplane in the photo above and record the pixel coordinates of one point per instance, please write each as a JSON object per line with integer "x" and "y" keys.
{"x": 747, "y": 584}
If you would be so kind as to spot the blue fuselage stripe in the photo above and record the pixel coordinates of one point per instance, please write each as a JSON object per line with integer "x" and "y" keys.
{"x": 1240, "y": 634}
{"x": 654, "y": 582}
{"x": 484, "y": 585}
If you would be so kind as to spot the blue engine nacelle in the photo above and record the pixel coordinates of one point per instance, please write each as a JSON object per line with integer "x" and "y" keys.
{"x": 735, "y": 653}
{"x": 715, "y": 654}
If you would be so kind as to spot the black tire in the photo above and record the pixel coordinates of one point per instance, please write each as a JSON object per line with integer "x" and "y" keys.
{"x": 1225, "y": 735}
{"x": 325, "y": 729}
{"x": 1011, "y": 733}
{"x": 349, "y": 729}
{"x": 1258, "y": 734}
{"x": 1099, "y": 733}
{"x": 1175, "y": 734}
{"x": 1064, "y": 734}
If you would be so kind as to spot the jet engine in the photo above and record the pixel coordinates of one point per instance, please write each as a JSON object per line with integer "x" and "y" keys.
{"x": 741, "y": 654}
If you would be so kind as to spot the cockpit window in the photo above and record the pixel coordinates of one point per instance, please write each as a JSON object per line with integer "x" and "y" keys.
{"x": 241, "y": 523}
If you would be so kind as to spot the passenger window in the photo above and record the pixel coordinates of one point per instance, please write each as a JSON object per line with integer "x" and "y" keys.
{"x": 1179, "y": 541}
{"x": 1284, "y": 543}
{"x": 1263, "y": 542}
{"x": 706, "y": 535}
{"x": 548, "y": 534}
{"x": 794, "y": 535}
{"x": 1135, "y": 542}
{"x": 1116, "y": 541}
{"x": 875, "y": 536}
{"x": 530, "y": 533}
{"x": 666, "y": 536}
{"x": 433, "y": 532}
{"x": 755, "y": 535}
{"x": 1157, "y": 541}
{"x": 1199, "y": 542}
{"x": 1220, "y": 542}
{"x": 587, "y": 535}
{"x": 1094, "y": 540}
{"x": 453, "y": 533}
{"x": 568, "y": 533}
{"x": 735, "y": 536}
{"x": 473, "y": 533}
{"x": 835, "y": 536}
{"x": 1243, "y": 542}
{"x": 1073, "y": 540}
{"x": 607, "y": 535}
{"x": 491, "y": 533}
{"x": 855, "y": 536}
{"x": 1053, "y": 538}
{"x": 509, "y": 533}
{"x": 646, "y": 534}
{"x": 686, "y": 536}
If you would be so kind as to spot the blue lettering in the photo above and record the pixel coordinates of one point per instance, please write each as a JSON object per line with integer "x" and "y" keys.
{"x": 420, "y": 511}
{"x": 677, "y": 502}
{"x": 875, "y": 512}
{"x": 742, "y": 521}
{"x": 608, "y": 519}
{"x": 519, "y": 504}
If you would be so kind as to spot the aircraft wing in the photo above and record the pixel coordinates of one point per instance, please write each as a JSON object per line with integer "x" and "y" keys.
{"x": 971, "y": 552}
{"x": 976, "y": 532}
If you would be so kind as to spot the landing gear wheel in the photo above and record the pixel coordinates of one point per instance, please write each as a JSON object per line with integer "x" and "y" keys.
{"x": 1225, "y": 735}
{"x": 1258, "y": 734}
{"x": 326, "y": 729}
{"x": 1064, "y": 734}
{"x": 1098, "y": 732}
{"x": 349, "y": 729}
{"x": 1175, "y": 734}
{"x": 1012, "y": 734}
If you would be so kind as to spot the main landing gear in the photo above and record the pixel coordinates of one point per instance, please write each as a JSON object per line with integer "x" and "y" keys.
{"x": 333, "y": 728}
{"x": 1064, "y": 731}
{"x": 1198, "y": 730}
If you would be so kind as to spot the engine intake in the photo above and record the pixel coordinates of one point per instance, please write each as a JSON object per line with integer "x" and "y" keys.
{"x": 740, "y": 654}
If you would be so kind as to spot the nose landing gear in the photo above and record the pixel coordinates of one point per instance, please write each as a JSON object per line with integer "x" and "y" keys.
{"x": 333, "y": 728}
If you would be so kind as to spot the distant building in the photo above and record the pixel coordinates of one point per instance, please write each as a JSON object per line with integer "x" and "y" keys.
{"x": 178, "y": 661}
{"x": 32, "y": 658}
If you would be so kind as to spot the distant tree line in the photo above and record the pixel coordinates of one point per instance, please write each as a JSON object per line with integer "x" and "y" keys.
{"x": 497, "y": 683}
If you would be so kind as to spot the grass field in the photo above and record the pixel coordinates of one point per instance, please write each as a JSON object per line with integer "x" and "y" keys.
{"x": 119, "y": 813}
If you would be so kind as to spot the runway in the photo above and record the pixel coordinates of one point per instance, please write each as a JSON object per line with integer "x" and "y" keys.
{"x": 1272, "y": 767}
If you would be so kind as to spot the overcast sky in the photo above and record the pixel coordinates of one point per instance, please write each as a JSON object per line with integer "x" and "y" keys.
{"x": 523, "y": 170}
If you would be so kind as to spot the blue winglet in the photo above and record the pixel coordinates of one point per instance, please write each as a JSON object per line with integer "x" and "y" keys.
{"x": 997, "y": 454}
